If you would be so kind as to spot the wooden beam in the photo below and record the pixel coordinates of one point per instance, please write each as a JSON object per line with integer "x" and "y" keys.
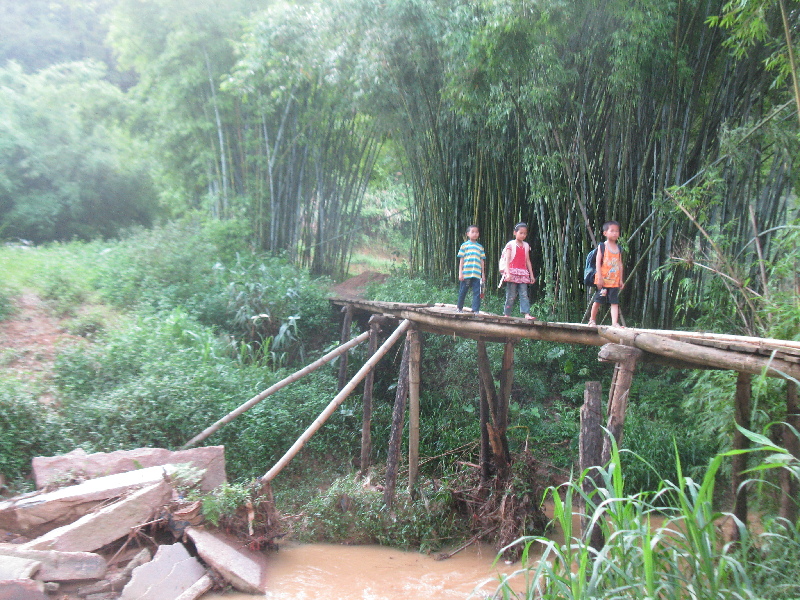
{"x": 274, "y": 388}
{"x": 495, "y": 427}
{"x": 618, "y": 396}
{"x": 590, "y": 455}
{"x": 486, "y": 449}
{"x": 414, "y": 361}
{"x": 366, "y": 420}
{"x": 714, "y": 357}
{"x": 740, "y": 442}
{"x": 336, "y": 402}
{"x": 790, "y": 494}
{"x": 396, "y": 434}
{"x": 346, "y": 323}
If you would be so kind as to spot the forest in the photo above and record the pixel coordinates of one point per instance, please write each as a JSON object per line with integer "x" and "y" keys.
{"x": 182, "y": 183}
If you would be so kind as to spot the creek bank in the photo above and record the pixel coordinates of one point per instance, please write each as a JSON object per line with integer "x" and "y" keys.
{"x": 121, "y": 529}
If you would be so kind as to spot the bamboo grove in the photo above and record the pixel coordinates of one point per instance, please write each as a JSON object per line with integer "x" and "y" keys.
{"x": 673, "y": 117}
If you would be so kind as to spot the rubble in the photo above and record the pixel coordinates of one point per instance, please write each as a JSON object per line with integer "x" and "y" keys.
{"x": 80, "y": 465}
{"x": 88, "y": 533}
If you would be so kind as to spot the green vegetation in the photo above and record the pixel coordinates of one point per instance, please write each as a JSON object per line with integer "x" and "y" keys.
{"x": 661, "y": 543}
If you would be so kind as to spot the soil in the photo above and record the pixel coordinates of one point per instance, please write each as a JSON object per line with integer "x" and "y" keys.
{"x": 29, "y": 338}
{"x": 356, "y": 286}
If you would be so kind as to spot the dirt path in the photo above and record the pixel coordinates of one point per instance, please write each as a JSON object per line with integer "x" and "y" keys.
{"x": 356, "y": 286}
{"x": 28, "y": 339}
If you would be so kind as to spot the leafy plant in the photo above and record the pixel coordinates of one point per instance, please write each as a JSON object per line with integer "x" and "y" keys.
{"x": 224, "y": 501}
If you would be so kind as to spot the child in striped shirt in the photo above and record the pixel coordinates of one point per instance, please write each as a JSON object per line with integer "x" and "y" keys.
{"x": 471, "y": 269}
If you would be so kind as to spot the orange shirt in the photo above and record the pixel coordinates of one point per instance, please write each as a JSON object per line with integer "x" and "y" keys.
{"x": 610, "y": 273}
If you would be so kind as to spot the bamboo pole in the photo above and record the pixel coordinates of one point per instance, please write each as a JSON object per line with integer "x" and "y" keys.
{"x": 414, "y": 360}
{"x": 334, "y": 404}
{"x": 590, "y": 450}
{"x": 486, "y": 450}
{"x": 366, "y": 421}
{"x": 396, "y": 434}
{"x": 740, "y": 442}
{"x": 713, "y": 357}
{"x": 274, "y": 388}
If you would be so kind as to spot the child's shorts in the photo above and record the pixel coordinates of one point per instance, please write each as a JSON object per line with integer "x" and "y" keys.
{"x": 611, "y": 296}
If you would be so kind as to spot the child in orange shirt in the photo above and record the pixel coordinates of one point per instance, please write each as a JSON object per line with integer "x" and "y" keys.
{"x": 608, "y": 279}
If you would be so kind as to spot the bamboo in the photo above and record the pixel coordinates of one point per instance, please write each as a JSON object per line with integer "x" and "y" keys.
{"x": 413, "y": 408}
{"x": 396, "y": 434}
{"x": 739, "y": 461}
{"x": 334, "y": 404}
{"x": 275, "y": 387}
{"x": 590, "y": 451}
{"x": 346, "y": 323}
{"x": 366, "y": 421}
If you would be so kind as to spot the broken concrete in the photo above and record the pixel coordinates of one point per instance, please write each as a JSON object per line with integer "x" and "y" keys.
{"x": 54, "y": 469}
{"x": 14, "y": 567}
{"x": 200, "y": 587}
{"x": 171, "y": 573}
{"x": 59, "y": 566}
{"x": 243, "y": 569}
{"x": 38, "y": 513}
{"x": 22, "y": 589}
{"x": 110, "y": 523}
{"x": 116, "y": 581}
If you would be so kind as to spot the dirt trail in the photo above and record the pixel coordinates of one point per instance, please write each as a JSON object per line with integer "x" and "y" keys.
{"x": 28, "y": 339}
{"x": 356, "y": 286}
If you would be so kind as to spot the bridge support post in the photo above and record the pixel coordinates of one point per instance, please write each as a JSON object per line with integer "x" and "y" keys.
{"x": 396, "y": 435}
{"x": 625, "y": 358}
{"x": 497, "y": 423}
{"x": 789, "y": 484}
{"x": 590, "y": 451}
{"x": 414, "y": 360}
{"x": 366, "y": 421}
{"x": 740, "y": 442}
{"x": 486, "y": 449}
{"x": 346, "y": 322}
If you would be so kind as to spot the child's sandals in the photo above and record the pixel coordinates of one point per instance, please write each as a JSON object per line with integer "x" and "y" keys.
{"x": 592, "y": 323}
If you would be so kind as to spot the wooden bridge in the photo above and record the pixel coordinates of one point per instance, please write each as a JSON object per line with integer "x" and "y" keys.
{"x": 624, "y": 347}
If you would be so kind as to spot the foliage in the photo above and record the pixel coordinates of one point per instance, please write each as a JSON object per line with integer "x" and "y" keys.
{"x": 354, "y": 513}
{"x": 223, "y": 501}
{"x": 776, "y": 553}
{"x": 6, "y": 303}
{"x": 664, "y": 543}
{"x": 69, "y": 167}
{"x": 27, "y": 428}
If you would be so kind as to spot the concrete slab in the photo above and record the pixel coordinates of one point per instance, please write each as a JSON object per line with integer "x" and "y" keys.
{"x": 38, "y": 513}
{"x": 47, "y": 470}
{"x": 200, "y": 587}
{"x": 110, "y": 523}
{"x": 22, "y": 589}
{"x": 242, "y": 568}
{"x": 60, "y": 566}
{"x": 14, "y": 567}
{"x": 171, "y": 573}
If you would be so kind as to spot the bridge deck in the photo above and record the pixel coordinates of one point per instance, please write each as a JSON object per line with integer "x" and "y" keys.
{"x": 684, "y": 348}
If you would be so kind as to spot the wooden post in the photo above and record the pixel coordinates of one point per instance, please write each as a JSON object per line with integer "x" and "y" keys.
{"x": 789, "y": 484}
{"x": 274, "y": 388}
{"x": 626, "y": 359}
{"x": 334, "y": 404}
{"x": 486, "y": 449}
{"x": 504, "y": 398}
{"x": 496, "y": 427}
{"x": 396, "y": 435}
{"x": 590, "y": 453}
{"x": 346, "y": 322}
{"x": 414, "y": 360}
{"x": 366, "y": 421}
{"x": 740, "y": 442}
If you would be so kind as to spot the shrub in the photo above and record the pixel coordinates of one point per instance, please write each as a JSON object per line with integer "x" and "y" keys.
{"x": 6, "y": 303}
{"x": 27, "y": 429}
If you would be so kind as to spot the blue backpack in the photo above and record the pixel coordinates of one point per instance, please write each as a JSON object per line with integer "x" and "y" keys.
{"x": 590, "y": 269}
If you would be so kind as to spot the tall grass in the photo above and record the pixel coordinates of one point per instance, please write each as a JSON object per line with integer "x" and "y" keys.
{"x": 665, "y": 544}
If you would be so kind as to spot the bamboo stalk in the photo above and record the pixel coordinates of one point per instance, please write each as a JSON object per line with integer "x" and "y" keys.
{"x": 338, "y": 399}
{"x": 275, "y": 387}
{"x": 414, "y": 361}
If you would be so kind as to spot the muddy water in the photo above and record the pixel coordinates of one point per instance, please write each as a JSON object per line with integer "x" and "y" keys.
{"x": 333, "y": 572}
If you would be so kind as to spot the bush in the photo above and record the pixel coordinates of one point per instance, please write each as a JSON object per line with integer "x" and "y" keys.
{"x": 6, "y": 304}
{"x": 352, "y": 513}
{"x": 27, "y": 429}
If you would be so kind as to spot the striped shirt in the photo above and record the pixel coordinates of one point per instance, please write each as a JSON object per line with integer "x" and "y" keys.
{"x": 473, "y": 255}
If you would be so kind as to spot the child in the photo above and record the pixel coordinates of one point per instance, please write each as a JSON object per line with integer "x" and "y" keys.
{"x": 608, "y": 278}
{"x": 518, "y": 272}
{"x": 471, "y": 269}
